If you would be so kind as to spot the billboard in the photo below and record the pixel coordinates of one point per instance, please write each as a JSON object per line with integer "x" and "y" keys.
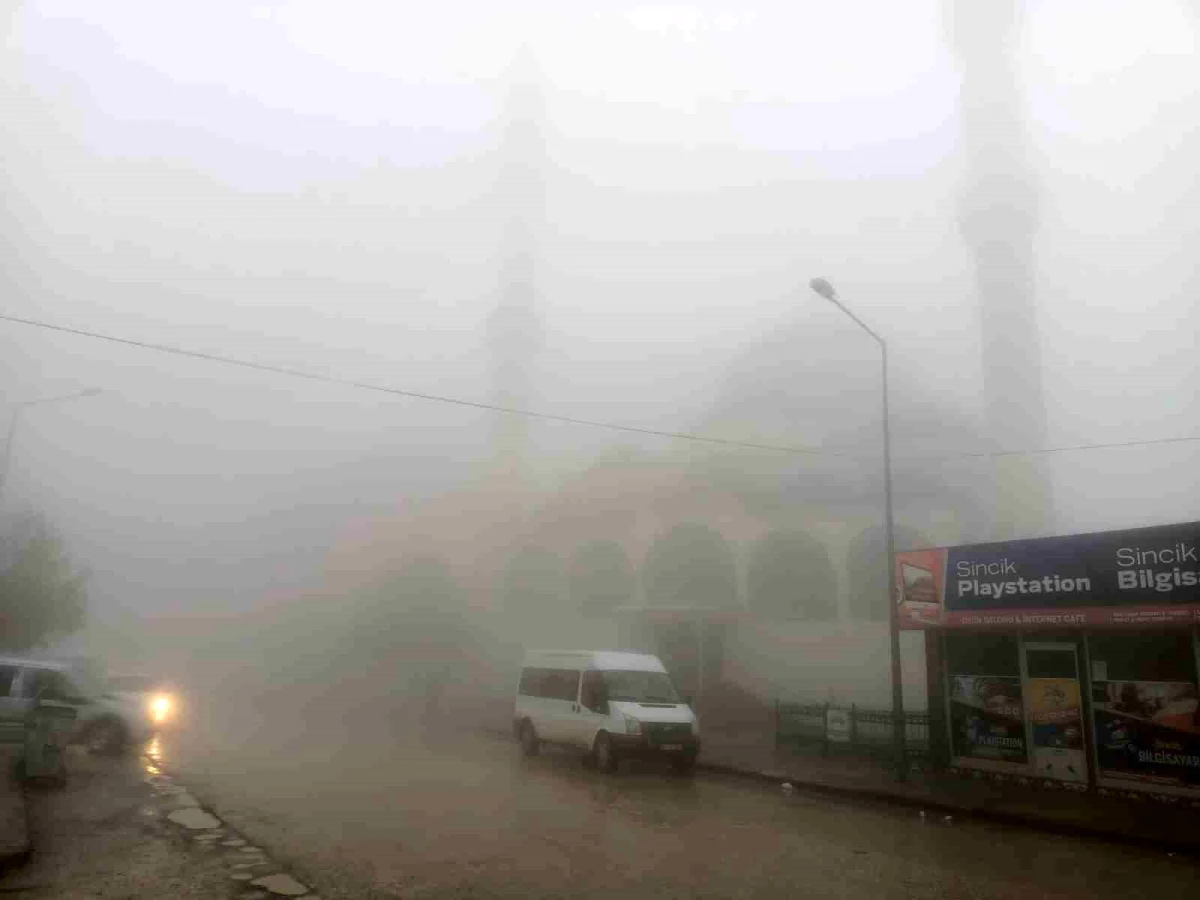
{"x": 1145, "y": 576}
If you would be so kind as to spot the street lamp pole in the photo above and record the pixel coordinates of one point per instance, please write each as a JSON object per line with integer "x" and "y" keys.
{"x": 826, "y": 290}
{"x": 16, "y": 418}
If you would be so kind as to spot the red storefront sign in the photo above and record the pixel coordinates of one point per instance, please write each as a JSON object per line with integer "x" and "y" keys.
{"x": 1120, "y": 579}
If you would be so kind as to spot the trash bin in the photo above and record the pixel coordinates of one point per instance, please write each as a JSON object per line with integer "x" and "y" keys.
{"x": 47, "y": 732}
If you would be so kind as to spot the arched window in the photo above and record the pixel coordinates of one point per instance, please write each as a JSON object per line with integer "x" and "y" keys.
{"x": 789, "y": 576}
{"x": 690, "y": 566}
{"x": 601, "y": 578}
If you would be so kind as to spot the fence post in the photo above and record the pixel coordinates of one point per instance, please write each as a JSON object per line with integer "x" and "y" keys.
{"x": 854, "y": 727}
{"x": 825, "y": 731}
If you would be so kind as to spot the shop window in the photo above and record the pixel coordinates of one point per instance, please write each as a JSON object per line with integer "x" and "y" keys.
{"x": 1146, "y": 711}
{"x": 982, "y": 654}
{"x": 987, "y": 717}
{"x": 1142, "y": 657}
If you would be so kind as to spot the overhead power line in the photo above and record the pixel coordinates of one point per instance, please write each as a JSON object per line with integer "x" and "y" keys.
{"x": 412, "y": 395}
{"x": 1041, "y": 451}
{"x": 571, "y": 420}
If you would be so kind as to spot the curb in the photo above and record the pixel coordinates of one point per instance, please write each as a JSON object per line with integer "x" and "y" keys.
{"x": 969, "y": 810}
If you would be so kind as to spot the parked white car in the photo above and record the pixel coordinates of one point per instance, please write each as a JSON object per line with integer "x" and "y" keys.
{"x": 610, "y": 704}
{"x": 106, "y": 723}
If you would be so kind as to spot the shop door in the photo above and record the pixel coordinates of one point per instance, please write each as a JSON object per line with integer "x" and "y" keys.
{"x": 1054, "y": 711}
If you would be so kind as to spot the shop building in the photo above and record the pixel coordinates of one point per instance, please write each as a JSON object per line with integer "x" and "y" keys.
{"x": 1070, "y": 661}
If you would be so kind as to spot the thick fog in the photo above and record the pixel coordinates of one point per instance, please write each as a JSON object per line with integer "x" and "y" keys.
{"x": 352, "y": 190}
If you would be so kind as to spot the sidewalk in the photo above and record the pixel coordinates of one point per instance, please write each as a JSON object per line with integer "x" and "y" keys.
{"x": 121, "y": 830}
{"x": 14, "y": 835}
{"x": 1148, "y": 821}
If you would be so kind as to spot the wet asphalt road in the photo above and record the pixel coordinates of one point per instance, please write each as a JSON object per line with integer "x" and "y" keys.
{"x": 362, "y": 811}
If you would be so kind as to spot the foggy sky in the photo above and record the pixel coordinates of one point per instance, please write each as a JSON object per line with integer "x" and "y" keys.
{"x": 319, "y": 189}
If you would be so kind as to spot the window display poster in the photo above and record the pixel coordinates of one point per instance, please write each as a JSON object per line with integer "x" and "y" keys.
{"x": 1056, "y": 717}
{"x": 1149, "y": 732}
{"x": 987, "y": 718}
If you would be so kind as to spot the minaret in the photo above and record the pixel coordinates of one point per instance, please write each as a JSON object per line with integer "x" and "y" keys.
{"x": 514, "y": 328}
{"x": 998, "y": 216}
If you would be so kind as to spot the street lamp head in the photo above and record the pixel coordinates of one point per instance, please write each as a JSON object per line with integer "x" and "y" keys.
{"x": 822, "y": 287}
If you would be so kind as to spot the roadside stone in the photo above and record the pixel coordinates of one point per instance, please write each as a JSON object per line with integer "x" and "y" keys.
{"x": 284, "y": 885}
{"x": 196, "y": 819}
{"x": 258, "y": 869}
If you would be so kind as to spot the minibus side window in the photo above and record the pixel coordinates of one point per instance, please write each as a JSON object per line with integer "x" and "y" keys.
{"x": 592, "y": 694}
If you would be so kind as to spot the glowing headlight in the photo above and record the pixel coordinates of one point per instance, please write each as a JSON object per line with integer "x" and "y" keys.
{"x": 160, "y": 708}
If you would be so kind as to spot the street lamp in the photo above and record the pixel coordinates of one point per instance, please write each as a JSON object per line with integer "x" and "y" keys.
{"x": 824, "y": 289}
{"x": 16, "y": 417}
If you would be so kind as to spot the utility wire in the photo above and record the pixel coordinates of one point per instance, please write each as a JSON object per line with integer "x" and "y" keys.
{"x": 570, "y": 420}
{"x": 1041, "y": 451}
{"x": 413, "y": 395}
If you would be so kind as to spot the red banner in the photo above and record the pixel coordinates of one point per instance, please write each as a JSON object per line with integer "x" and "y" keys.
{"x": 1096, "y": 616}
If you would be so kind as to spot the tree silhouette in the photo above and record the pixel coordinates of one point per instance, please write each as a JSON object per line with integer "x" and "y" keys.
{"x": 601, "y": 578}
{"x": 790, "y": 576}
{"x": 690, "y": 566}
{"x": 42, "y": 597}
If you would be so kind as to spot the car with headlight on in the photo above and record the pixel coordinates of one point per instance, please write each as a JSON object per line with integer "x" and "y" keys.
{"x": 153, "y": 695}
{"x": 107, "y": 721}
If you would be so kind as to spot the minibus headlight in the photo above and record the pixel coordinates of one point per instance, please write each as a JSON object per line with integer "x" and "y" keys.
{"x": 632, "y": 725}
